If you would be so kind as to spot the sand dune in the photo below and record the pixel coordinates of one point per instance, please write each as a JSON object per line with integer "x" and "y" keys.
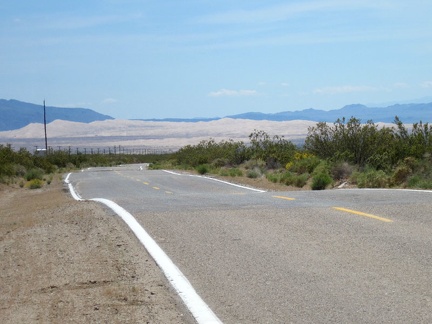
{"x": 133, "y": 133}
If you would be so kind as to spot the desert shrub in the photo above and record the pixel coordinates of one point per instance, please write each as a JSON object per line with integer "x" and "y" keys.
{"x": 235, "y": 172}
{"x": 7, "y": 169}
{"x": 285, "y": 178}
{"x": 220, "y": 162}
{"x": 202, "y": 168}
{"x": 253, "y": 174}
{"x": 413, "y": 181}
{"x": 342, "y": 170}
{"x": 419, "y": 182}
{"x": 425, "y": 184}
{"x": 255, "y": 164}
{"x": 288, "y": 178}
{"x": 34, "y": 173}
{"x": 320, "y": 181}
{"x": 275, "y": 150}
{"x": 206, "y": 152}
{"x": 301, "y": 180}
{"x": 164, "y": 164}
{"x": 411, "y": 162}
{"x": 304, "y": 163}
{"x": 400, "y": 174}
{"x": 273, "y": 177}
{"x": 35, "y": 184}
{"x": 19, "y": 170}
{"x": 372, "y": 179}
{"x": 43, "y": 163}
{"x": 224, "y": 172}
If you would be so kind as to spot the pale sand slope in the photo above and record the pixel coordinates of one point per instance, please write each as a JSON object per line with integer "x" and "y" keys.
{"x": 151, "y": 134}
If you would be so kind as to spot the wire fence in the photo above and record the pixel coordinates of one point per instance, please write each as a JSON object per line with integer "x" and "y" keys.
{"x": 116, "y": 150}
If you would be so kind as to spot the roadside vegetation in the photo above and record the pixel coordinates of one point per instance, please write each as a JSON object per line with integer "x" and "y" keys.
{"x": 26, "y": 169}
{"x": 345, "y": 153}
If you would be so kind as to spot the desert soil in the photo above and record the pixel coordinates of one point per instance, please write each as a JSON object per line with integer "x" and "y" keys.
{"x": 64, "y": 261}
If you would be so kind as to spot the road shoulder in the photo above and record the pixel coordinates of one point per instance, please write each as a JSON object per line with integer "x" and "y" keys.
{"x": 69, "y": 261}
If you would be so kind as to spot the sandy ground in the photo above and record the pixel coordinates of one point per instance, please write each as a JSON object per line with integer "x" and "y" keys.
{"x": 132, "y": 134}
{"x": 63, "y": 261}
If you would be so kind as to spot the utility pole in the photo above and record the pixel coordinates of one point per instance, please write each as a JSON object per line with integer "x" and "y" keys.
{"x": 46, "y": 139}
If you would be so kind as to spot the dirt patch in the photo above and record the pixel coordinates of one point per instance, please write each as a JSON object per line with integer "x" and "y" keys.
{"x": 64, "y": 261}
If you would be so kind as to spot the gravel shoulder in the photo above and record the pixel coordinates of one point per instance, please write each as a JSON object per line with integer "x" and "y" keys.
{"x": 64, "y": 261}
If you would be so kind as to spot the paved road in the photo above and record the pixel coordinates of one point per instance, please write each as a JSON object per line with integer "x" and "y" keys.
{"x": 334, "y": 256}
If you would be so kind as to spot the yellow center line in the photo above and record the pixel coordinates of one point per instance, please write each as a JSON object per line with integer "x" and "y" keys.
{"x": 146, "y": 183}
{"x": 156, "y": 188}
{"x": 283, "y": 197}
{"x": 168, "y": 192}
{"x": 363, "y": 214}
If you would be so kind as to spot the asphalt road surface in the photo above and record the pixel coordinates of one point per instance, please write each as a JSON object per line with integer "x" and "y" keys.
{"x": 334, "y": 256}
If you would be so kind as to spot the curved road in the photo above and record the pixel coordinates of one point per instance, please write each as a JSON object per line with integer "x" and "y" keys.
{"x": 334, "y": 256}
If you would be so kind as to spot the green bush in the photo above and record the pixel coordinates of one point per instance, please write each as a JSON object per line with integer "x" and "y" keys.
{"x": 413, "y": 182}
{"x": 7, "y": 169}
{"x": 224, "y": 172}
{"x": 301, "y": 180}
{"x": 34, "y": 173}
{"x": 35, "y": 184}
{"x": 287, "y": 178}
{"x": 253, "y": 174}
{"x": 418, "y": 182}
{"x": 425, "y": 184}
{"x": 273, "y": 177}
{"x": 372, "y": 179}
{"x": 202, "y": 169}
{"x": 320, "y": 181}
{"x": 207, "y": 152}
{"x": 305, "y": 165}
{"x": 235, "y": 172}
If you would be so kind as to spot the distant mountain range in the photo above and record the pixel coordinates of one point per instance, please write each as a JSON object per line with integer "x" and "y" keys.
{"x": 407, "y": 113}
{"x": 16, "y": 114}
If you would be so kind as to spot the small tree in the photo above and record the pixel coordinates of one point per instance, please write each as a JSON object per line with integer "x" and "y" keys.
{"x": 275, "y": 151}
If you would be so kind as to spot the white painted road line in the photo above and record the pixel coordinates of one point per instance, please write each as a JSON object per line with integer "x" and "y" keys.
{"x": 199, "y": 309}
{"x": 214, "y": 179}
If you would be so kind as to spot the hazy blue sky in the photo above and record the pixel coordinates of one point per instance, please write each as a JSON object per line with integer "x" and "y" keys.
{"x": 206, "y": 58}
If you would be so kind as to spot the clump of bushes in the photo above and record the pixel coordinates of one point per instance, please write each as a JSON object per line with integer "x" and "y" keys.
{"x": 202, "y": 169}
{"x": 342, "y": 171}
{"x": 35, "y": 173}
{"x": 235, "y": 172}
{"x": 321, "y": 177}
{"x": 371, "y": 178}
{"x": 253, "y": 174}
{"x": 35, "y": 184}
{"x": 320, "y": 181}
